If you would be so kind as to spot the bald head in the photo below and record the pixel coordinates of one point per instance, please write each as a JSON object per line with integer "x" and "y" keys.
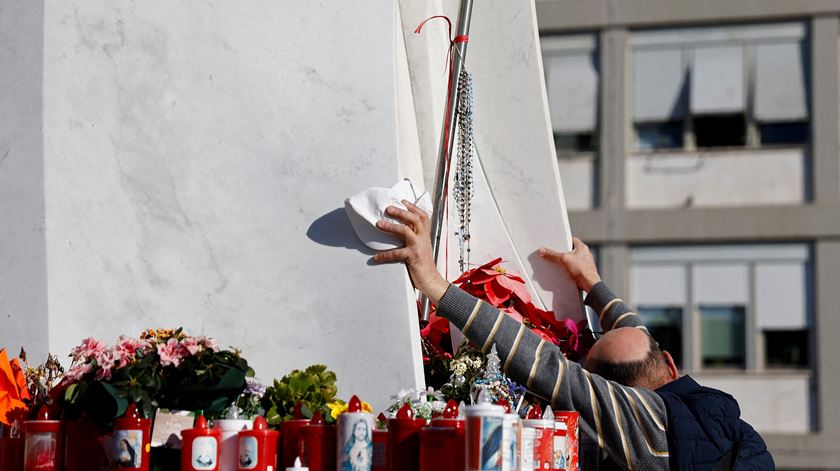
{"x": 630, "y": 356}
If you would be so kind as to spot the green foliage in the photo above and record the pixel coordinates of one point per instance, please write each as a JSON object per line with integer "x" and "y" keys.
{"x": 311, "y": 389}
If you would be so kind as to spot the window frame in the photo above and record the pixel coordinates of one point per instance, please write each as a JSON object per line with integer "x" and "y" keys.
{"x": 743, "y": 35}
{"x": 711, "y": 254}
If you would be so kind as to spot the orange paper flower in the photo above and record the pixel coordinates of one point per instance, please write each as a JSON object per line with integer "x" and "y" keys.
{"x": 13, "y": 389}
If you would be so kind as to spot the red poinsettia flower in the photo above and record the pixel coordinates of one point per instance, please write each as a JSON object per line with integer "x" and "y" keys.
{"x": 436, "y": 330}
{"x": 494, "y": 284}
{"x": 506, "y": 291}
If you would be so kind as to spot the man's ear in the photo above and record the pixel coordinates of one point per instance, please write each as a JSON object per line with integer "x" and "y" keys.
{"x": 673, "y": 373}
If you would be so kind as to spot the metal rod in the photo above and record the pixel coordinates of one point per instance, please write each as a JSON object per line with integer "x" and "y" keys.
{"x": 447, "y": 140}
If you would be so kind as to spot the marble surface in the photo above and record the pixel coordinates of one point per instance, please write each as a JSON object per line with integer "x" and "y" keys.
{"x": 23, "y": 267}
{"x": 196, "y": 159}
{"x": 519, "y": 203}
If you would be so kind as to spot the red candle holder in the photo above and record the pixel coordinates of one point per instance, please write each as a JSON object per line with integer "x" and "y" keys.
{"x": 43, "y": 443}
{"x": 257, "y": 448}
{"x": 543, "y": 445}
{"x": 83, "y": 450}
{"x": 11, "y": 446}
{"x": 566, "y": 440}
{"x": 200, "y": 450}
{"x": 379, "y": 460}
{"x": 291, "y": 439}
{"x": 442, "y": 442}
{"x": 404, "y": 439}
{"x": 318, "y": 444}
{"x": 131, "y": 443}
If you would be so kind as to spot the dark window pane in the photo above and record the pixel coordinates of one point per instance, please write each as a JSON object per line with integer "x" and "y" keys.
{"x": 659, "y": 136}
{"x": 665, "y": 325}
{"x": 784, "y": 133}
{"x": 720, "y": 131}
{"x": 724, "y": 336}
{"x": 574, "y": 143}
{"x": 786, "y": 348}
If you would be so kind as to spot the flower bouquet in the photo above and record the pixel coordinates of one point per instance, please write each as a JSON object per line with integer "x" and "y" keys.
{"x": 161, "y": 368}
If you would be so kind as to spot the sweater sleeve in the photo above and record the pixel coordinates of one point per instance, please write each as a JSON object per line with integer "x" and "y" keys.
{"x": 612, "y": 311}
{"x": 628, "y": 423}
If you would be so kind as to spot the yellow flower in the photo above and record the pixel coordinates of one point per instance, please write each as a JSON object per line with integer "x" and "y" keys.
{"x": 339, "y": 407}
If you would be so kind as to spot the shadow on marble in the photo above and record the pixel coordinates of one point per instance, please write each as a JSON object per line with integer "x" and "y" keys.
{"x": 334, "y": 230}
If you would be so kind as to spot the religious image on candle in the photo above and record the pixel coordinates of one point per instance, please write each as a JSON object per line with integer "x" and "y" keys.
{"x": 127, "y": 448}
{"x": 204, "y": 453}
{"x": 40, "y": 451}
{"x": 247, "y": 452}
{"x": 357, "y": 453}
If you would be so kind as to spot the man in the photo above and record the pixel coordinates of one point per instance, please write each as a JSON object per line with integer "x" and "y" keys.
{"x": 655, "y": 421}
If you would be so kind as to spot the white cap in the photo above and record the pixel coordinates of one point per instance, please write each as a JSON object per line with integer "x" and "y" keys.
{"x": 368, "y": 207}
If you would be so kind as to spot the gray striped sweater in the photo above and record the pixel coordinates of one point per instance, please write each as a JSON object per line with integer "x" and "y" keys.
{"x": 629, "y": 424}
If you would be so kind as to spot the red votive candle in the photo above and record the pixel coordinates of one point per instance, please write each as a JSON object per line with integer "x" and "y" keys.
{"x": 44, "y": 447}
{"x": 318, "y": 444}
{"x": 200, "y": 450}
{"x": 290, "y": 431}
{"x": 379, "y": 462}
{"x": 404, "y": 439}
{"x": 442, "y": 442}
{"x": 83, "y": 449}
{"x": 11, "y": 446}
{"x": 257, "y": 448}
{"x": 131, "y": 445}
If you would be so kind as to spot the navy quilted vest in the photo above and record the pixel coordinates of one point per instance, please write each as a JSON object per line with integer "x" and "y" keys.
{"x": 705, "y": 431}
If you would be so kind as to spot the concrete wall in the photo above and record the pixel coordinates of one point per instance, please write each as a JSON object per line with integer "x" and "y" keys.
{"x": 715, "y": 179}
{"x": 771, "y": 403}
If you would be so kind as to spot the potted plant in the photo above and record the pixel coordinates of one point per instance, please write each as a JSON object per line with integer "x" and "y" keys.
{"x": 291, "y": 401}
{"x": 161, "y": 368}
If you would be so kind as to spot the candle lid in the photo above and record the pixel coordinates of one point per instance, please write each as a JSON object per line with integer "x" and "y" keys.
{"x": 355, "y": 404}
{"x": 260, "y": 423}
{"x": 451, "y": 411}
{"x": 405, "y": 412}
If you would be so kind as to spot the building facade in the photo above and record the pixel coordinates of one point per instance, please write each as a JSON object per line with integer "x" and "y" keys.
{"x": 698, "y": 144}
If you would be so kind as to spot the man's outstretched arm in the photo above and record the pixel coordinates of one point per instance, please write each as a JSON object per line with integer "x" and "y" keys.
{"x": 612, "y": 311}
{"x": 628, "y": 423}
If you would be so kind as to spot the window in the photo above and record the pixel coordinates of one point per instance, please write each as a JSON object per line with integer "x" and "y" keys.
{"x": 568, "y": 143}
{"x": 665, "y": 326}
{"x": 659, "y": 136}
{"x": 721, "y": 87}
{"x": 725, "y": 307}
{"x": 724, "y": 336}
{"x": 784, "y": 133}
{"x": 572, "y": 80}
{"x": 720, "y": 131}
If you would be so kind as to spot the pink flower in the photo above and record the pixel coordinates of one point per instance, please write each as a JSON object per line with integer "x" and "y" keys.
{"x": 127, "y": 349}
{"x": 171, "y": 352}
{"x": 192, "y": 344}
{"x": 209, "y": 343}
{"x": 105, "y": 360}
{"x": 88, "y": 350}
{"x": 76, "y": 372}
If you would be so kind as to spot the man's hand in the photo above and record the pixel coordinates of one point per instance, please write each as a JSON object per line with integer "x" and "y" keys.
{"x": 417, "y": 253}
{"x": 579, "y": 263}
